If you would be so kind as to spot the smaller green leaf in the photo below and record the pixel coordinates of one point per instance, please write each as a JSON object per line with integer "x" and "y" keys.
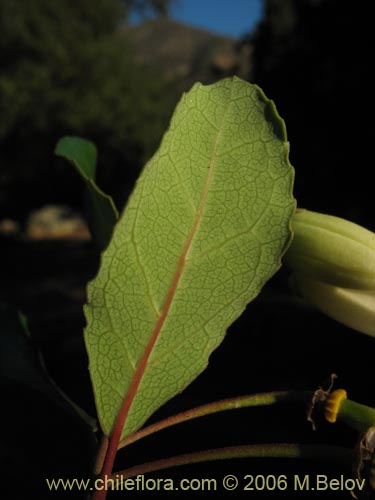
{"x": 82, "y": 153}
{"x": 103, "y": 213}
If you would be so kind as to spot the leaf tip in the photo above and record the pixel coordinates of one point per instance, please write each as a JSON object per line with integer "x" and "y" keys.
{"x": 81, "y": 152}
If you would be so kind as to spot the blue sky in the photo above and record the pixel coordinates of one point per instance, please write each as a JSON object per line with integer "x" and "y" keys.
{"x": 226, "y": 17}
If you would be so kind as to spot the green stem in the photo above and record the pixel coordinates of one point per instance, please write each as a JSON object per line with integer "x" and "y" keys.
{"x": 319, "y": 452}
{"x": 356, "y": 415}
{"x": 263, "y": 399}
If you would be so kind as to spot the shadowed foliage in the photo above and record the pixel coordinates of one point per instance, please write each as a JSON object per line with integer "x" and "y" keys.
{"x": 65, "y": 70}
{"x": 313, "y": 58}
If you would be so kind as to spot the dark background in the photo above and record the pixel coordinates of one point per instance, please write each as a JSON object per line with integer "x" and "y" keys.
{"x": 69, "y": 67}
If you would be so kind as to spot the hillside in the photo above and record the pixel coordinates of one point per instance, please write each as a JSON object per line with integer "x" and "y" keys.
{"x": 185, "y": 54}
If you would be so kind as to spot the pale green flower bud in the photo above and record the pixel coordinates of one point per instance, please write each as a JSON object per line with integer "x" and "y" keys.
{"x": 334, "y": 267}
{"x": 353, "y": 308}
{"x": 332, "y": 250}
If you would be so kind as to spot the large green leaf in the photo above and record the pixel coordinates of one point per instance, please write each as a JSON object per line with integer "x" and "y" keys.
{"x": 204, "y": 229}
{"x": 103, "y": 213}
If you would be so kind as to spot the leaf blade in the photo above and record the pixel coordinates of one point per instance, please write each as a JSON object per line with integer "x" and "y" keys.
{"x": 81, "y": 152}
{"x": 103, "y": 212}
{"x": 193, "y": 247}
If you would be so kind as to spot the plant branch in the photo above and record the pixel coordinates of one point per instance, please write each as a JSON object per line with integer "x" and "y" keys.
{"x": 313, "y": 452}
{"x": 356, "y": 415}
{"x": 100, "y": 457}
{"x": 262, "y": 399}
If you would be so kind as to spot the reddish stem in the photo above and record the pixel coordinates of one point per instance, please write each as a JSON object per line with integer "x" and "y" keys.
{"x": 261, "y": 399}
{"x": 115, "y": 437}
{"x": 276, "y": 450}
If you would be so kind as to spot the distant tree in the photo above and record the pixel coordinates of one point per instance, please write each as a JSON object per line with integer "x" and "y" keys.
{"x": 313, "y": 58}
{"x": 66, "y": 68}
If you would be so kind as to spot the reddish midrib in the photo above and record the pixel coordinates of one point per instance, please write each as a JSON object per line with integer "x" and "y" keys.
{"x": 128, "y": 400}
